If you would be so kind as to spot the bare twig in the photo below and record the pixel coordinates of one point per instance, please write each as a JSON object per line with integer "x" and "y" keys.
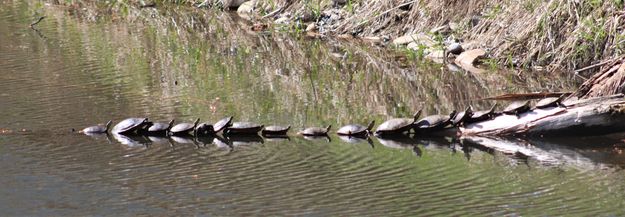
{"x": 32, "y": 25}
{"x": 271, "y": 14}
{"x": 593, "y": 66}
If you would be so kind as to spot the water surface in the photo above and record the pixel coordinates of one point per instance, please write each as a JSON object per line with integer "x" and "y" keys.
{"x": 74, "y": 72}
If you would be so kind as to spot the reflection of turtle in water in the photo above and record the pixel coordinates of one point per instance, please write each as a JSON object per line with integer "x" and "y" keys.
{"x": 435, "y": 122}
{"x": 129, "y": 125}
{"x": 550, "y": 102}
{"x": 97, "y": 129}
{"x": 397, "y": 125}
{"x": 315, "y": 131}
{"x": 355, "y": 129}
{"x": 183, "y": 129}
{"x": 517, "y": 107}
{"x": 243, "y": 128}
{"x": 275, "y": 130}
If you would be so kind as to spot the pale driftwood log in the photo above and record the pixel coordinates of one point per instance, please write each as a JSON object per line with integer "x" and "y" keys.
{"x": 595, "y": 116}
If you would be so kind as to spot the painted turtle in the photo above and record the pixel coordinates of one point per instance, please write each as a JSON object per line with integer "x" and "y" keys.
{"x": 182, "y": 129}
{"x": 315, "y": 131}
{"x": 97, "y": 129}
{"x": 517, "y": 107}
{"x": 463, "y": 116}
{"x": 275, "y": 130}
{"x": 222, "y": 124}
{"x": 158, "y": 128}
{"x": 550, "y": 102}
{"x": 129, "y": 125}
{"x": 397, "y": 125}
{"x": 435, "y": 122}
{"x": 355, "y": 129}
{"x": 482, "y": 115}
{"x": 243, "y": 128}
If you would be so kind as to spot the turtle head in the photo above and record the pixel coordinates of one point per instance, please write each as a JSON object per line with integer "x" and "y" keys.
{"x": 467, "y": 113}
{"x": 196, "y": 122}
{"x": 416, "y": 115}
{"x": 171, "y": 124}
{"x": 370, "y": 125}
{"x": 145, "y": 121}
{"x": 229, "y": 121}
{"x": 453, "y": 114}
{"x": 108, "y": 124}
{"x": 328, "y": 128}
{"x": 288, "y": 127}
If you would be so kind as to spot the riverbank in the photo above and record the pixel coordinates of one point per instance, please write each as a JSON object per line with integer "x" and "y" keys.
{"x": 552, "y": 35}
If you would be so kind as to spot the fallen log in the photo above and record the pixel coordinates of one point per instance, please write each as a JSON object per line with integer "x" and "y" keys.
{"x": 594, "y": 116}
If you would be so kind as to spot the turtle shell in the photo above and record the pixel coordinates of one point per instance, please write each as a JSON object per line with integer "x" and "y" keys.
{"x": 276, "y": 130}
{"x": 315, "y": 131}
{"x": 463, "y": 116}
{"x": 355, "y": 129}
{"x": 482, "y": 115}
{"x": 222, "y": 124}
{"x": 549, "y": 102}
{"x": 517, "y": 107}
{"x": 129, "y": 125}
{"x": 97, "y": 129}
{"x": 183, "y": 128}
{"x": 436, "y": 121}
{"x": 243, "y": 128}
{"x": 397, "y": 125}
{"x": 159, "y": 127}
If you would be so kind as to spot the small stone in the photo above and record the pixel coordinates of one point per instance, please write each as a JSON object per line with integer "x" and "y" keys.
{"x": 245, "y": 9}
{"x": 454, "y": 26}
{"x": 238, "y": 3}
{"x": 455, "y": 48}
{"x": 467, "y": 59}
{"x": 470, "y": 57}
{"x": 413, "y": 46}
{"x": 311, "y": 27}
{"x": 419, "y": 38}
{"x": 436, "y": 55}
{"x": 372, "y": 39}
{"x": 282, "y": 20}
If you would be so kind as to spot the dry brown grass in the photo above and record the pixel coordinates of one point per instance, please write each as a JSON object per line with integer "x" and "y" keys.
{"x": 558, "y": 34}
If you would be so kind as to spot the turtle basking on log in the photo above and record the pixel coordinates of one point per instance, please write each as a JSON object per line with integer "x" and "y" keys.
{"x": 397, "y": 125}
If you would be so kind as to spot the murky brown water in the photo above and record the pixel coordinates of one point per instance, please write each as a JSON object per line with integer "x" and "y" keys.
{"x": 72, "y": 73}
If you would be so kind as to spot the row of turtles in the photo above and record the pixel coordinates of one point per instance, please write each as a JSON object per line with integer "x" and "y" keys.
{"x": 142, "y": 126}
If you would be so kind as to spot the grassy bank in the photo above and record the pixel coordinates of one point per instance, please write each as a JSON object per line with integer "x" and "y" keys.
{"x": 552, "y": 35}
